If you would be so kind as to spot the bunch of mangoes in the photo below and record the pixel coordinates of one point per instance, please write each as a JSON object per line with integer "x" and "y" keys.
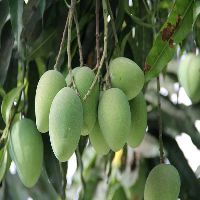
{"x": 111, "y": 118}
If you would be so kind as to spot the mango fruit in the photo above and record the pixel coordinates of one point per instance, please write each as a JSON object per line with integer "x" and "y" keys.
{"x": 114, "y": 117}
{"x": 83, "y": 78}
{"x": 26, "y": 150}
{"x": 163, "y": 182}
{"x": 138, "y": 120}
{"x": 97, "y": 140}
{"x": 48, "y": 86}
{"x": 65, "y": 123}
{"x": 189, "y": 76}
{"x": 127, "y": 76}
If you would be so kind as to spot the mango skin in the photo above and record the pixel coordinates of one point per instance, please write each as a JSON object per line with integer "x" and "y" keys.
{"x": 50, "y": 83}
{"x": 65, "y": 123}
{"x": 114, "y": 118}
{"x": 127, "y": 76}
{"x": 97, "y": 140}
{"x": 83, "y": 77}
{"x": 189, "y": 76}
{"x": 138, "y": 120}
{"x": 26, "y": 150}
{"x": 163, "y": 183}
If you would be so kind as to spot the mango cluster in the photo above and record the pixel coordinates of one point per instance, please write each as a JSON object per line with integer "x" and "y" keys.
{"x": 111, "y": 118}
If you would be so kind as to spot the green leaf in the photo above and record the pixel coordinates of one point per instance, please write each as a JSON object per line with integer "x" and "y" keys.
{"x": 3, "y": 14}
{"x": 52, "y": 165}
{"x": 181, "y": 17}
{"x": 16, "y": 11}
{"x": 5, "y": 52}
{"x": 8, "y": 101}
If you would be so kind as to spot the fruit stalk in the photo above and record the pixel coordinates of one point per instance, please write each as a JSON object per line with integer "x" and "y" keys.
{"x": 97, "y": 34}
{"x": 78, "y": 37}
{"x": 105, "y": 15}
{"x": 113, "y": 27}
{"x": 160, "y": 123}
{"x": 61, "y": 44}
{"x": 69, "y": 60}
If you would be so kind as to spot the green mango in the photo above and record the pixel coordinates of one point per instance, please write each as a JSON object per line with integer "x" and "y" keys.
{"x": 97, "y": 140}
{"x": 163, "y": 183}
{"x": 65, "y": 123}
{"x": 114, "y": 117}
{"x": 138, "y": 120}
{"x": 127, "y": 76}
{"x": 189, "y": 76}
{"x": 26, "y": 150}
{"x": 83, "y": 78}
{"x": 50, "y": 83}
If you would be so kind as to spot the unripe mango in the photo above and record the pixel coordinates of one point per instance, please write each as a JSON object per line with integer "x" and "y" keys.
{"x": 127, "y": 76}
{"x": 83, "y": 77}
{"x": 114, "y": 117}
{"x": 189, "y": 76}
{"x": 138, "y": 120}
{"x": 163, "y": 183}
{"x": 48, "y": 86}
{"x": 65, "y": 123}
{"x": 26, "y": 150}
{"x": 97, "y": 140}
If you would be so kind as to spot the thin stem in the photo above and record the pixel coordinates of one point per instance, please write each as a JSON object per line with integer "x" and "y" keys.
{"x": 78, "y": 37}
{"x": 160, "y": 122}
{"x": 113, "y": 26}
{"x": 61, "y": 45}
{"x": 105, "y": 15}
{"x": 71, "y": 13}
{"x": 97, "y": 33}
